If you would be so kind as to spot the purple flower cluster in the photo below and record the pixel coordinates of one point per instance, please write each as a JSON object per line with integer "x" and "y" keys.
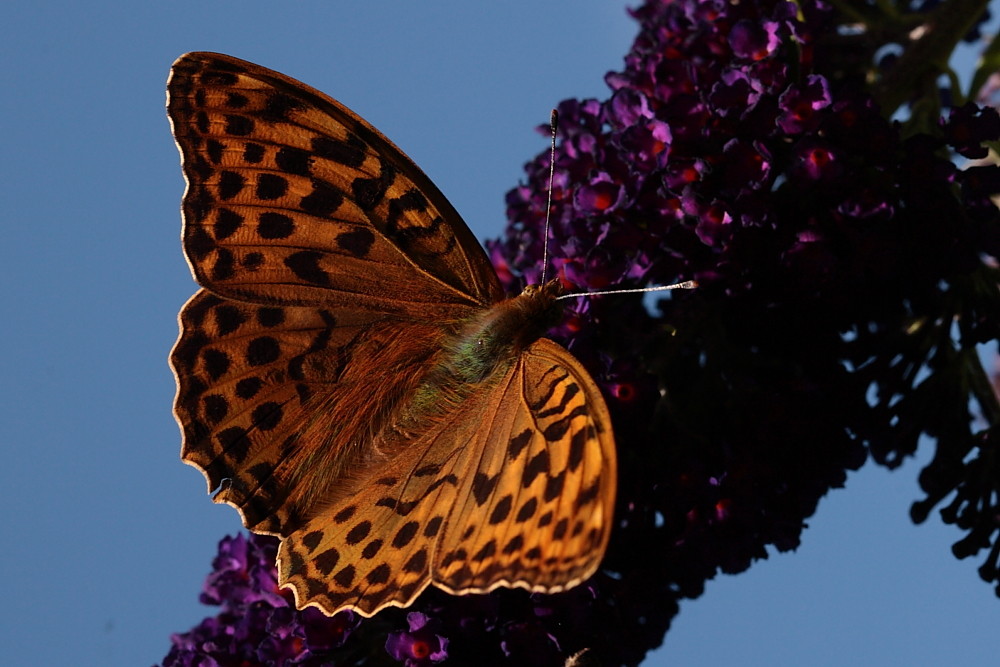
{"x": 847, "y": 267}
{"x": 256, "y": 624}
{"x": 418, "y": 645}
{"x": 835, "y": 251}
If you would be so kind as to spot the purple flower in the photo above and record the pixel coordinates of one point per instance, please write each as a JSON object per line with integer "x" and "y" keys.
{"x": 754, "y": 41}
{"x": 800, "y": 106}
{"x": 814, "y": 160}
{"x": 243, "y": 573}
{"x": 256, "y": 625}
{"x": 600, "y": 195}
{"x": 323, "y": 633}
{"x": 420, "y": 645}
{"x": 969, "y": 127}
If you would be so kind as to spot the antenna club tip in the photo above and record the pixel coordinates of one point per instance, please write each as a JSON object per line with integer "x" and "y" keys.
{"x": 554, "y": 119}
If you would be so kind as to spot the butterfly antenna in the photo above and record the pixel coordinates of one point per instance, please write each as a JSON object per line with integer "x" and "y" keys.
{"x": 553, "y": 125}
{"x": 687, "y": 284}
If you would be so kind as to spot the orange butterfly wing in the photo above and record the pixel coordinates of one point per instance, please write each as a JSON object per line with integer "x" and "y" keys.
{"x": 515, "y": 488}
{"x": 293, "y": 199}
{"x": 337, "y": 282}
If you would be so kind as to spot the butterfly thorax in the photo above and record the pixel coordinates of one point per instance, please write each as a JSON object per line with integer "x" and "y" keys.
{"x": 485, "y": 345}
{"x": 388, "y": 409}
{"x": 494, "y": 337}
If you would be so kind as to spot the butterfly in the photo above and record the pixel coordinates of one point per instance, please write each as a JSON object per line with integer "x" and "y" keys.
{"x": 351, "y": 377}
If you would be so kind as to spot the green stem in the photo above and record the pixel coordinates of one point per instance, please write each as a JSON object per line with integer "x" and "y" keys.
{"x": 981, "y": 387}
{"x": 928, "y": 55}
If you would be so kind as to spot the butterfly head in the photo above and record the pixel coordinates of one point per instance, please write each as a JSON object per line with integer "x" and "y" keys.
{"x": 549, "y": 290}
{"x": 535, "y": 311}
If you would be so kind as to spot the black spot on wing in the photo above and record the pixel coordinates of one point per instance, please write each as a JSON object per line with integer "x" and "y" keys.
{"x": 371, "y": 549}
{"x": 216, "y": 407}
{"x": 239, "y": 126}
{"x": 518, "y": 443}
{"x": 271, "y": 225}
{"x": 516, "y": 543}
{"x": 379, "y": 575}
{"x": 227, "y": 223}
{"x": 216, "y": 363}
{"x": 214, "y": 148}
{"x": 230, "y": 184}
{"x": 433, "y": 526}
{"x": 527, "y": 510}
{"x": 253, "y": 153}
{"x": 554, "y": 486}
{"x": 305, "y": 265}
{"x": 279, "y": 106}
{"x": 224, "y": 266}
{"x": 248, "y": 387}
{"x": 270, "y": 317}
{"x": 312, "y": 540}
{"x": 271, "y": 186}
{"x": 345, "y": 578}
{"x": 345, "y": 514}
{"x": 228, "y": 319}
{"x": 538, "y": 465}
{"x": 326, "y": 561}
{"x": 488, "y": 550}
{"x": 323, "y": 200}
{"x": 267, "y": 416}
{"x": 357, "y": 242}
{"x": 417, "y": 562}
{"x": 358, "y": 533}
{"x": 293, "y": 161}
{"x": 369, "y": 192}
{"x": 482, "y": 487}
{"x": 262, "y": 350}
{"x": 236, "y": 100}
{"x": 405, "y": 534}
{"x": 350, "y": 152}
{"x": 501, "y": 510}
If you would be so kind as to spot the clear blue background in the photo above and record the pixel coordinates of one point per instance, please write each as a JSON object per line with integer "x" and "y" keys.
{"x": 107, "y": 536}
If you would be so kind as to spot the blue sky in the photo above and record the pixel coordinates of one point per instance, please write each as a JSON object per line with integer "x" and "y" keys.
{"x": 108, "y": 536}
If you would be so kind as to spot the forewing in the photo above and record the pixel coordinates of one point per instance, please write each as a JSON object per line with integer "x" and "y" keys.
{"x": 292, "y": 199}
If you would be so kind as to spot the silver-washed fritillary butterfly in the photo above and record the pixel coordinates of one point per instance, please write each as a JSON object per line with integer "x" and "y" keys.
{"x": 351, "y": 378}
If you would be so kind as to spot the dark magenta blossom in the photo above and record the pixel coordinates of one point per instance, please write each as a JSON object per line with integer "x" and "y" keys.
{"x": 256, "y": 624}
{"x": 598, "y": 196}
{"x": 800, "y": 105}
{"x": 244, "y": 571}
{"x": 419, "y": 645}
{"x": 814, "y": 160}
{"x": 754, "y": 40}
{"x": 967, "y": 127}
